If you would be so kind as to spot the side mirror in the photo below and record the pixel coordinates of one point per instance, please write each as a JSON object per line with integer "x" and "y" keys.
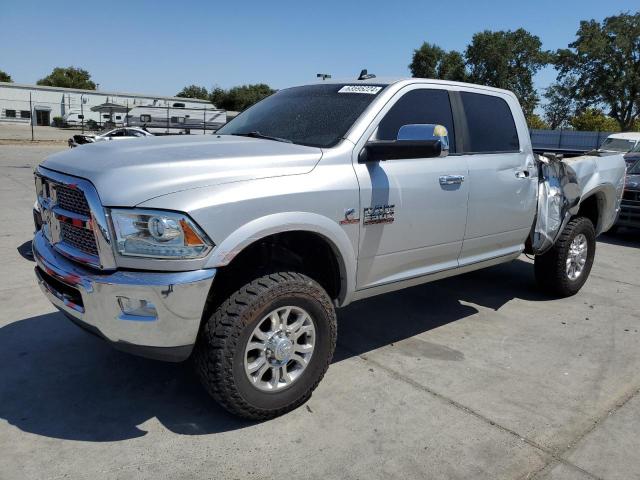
{"x": 413, "y": 141}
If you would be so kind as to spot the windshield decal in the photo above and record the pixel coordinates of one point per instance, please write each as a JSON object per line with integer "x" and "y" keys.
{"x": 368, "y": 89}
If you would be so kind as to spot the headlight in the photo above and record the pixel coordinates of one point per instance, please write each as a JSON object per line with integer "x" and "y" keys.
{"x": 158, "y": 234}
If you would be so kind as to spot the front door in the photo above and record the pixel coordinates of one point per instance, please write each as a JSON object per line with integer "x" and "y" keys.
{"x": 411, "y": 224}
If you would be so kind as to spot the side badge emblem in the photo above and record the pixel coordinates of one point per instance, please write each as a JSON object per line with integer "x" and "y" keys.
{"x": 349, "y": 217}
{"x": 379, "y": 214}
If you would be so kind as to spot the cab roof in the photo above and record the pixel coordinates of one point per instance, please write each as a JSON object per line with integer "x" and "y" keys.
{"x": 386, "y": 81}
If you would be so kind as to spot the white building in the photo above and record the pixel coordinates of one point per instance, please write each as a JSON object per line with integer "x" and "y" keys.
{"x": 19, "y": 103}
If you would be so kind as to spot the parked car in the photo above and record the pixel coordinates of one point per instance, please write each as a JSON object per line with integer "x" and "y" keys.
{"x": 630, "y": 208}
{"x": 633, "y": 156}
{"x": 121, "y": 133}
{"x": 620, "y": 142}
{"x": 236, "y": 248}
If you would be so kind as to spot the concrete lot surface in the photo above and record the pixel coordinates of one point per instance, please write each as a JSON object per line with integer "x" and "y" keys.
{"x": 474, "y": 377}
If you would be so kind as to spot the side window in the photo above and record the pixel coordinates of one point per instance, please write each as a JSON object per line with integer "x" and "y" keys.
{"x": 490, "y": 124}
{"x": 418, "y": 106}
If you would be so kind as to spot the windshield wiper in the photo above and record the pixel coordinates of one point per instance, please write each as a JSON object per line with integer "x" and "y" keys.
{"x": 257, "y": 134}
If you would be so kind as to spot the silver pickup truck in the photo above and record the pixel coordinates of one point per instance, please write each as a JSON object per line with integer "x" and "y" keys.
{"x": 234, "y": 249}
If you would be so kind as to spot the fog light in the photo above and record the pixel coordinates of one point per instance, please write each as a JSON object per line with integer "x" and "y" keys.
{"x": 137, "y": 308}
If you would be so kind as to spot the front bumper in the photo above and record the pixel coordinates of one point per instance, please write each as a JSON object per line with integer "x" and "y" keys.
{"x": 92, "y": 299}
{"x": 629, "y": 215}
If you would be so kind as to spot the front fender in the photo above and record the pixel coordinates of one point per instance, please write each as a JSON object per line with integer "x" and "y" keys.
{"x": 267, "y": 225}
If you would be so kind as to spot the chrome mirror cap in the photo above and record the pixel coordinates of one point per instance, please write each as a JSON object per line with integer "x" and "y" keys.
{"x": 426, "y": 132}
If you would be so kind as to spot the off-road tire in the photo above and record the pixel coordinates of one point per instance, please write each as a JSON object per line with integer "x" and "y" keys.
{"x": 550, "y": 268}
{"x": 219, "y": 351}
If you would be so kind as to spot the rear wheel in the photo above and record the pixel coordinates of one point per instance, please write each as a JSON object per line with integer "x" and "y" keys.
{"x": 564, "y": 269}
{"x": 266, "y": 348}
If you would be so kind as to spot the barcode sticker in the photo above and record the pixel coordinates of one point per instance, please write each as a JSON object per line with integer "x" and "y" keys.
{"x": 368, "y": 89}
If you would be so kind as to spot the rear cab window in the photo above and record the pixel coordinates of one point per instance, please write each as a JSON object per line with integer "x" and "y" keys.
{"x": 490, "y": 127}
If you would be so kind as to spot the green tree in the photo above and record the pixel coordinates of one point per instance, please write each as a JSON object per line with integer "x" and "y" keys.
{"x": 534, "y": 121}
{"x": 431, "y": 61}
{"x": 560, "y": 106}
{"x": 240, "y": 98}
{"x": 218, "y": 97}
{"x": 5, "y": 77}
{"x": 605, "y": 60}
{"x": 593, "y": 119}
{"x": 69, "y": 77}
{"x": 507, "y": 59}
{"x": 194, "y": 91}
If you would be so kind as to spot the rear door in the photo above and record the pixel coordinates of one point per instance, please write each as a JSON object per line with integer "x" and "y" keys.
{"x": 502, "y": 174}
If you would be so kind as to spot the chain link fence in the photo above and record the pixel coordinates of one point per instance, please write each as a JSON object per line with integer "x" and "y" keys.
{"x": 40, "y": 119}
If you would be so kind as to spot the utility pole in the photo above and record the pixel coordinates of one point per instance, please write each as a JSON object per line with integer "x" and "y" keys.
{"x": 204, "y": 121}
{"x": 31, "y": 115}
{"x": 82, "y": 112}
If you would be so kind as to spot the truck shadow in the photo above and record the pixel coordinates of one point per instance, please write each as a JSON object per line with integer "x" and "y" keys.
{"x": 385, "y": 319}
{"x": 59, "y": 382}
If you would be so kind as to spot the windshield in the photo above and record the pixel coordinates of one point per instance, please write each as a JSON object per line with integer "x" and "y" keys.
{"x": 313, "y": 115}
{"x": 635, "y": 169}
{"x": 617, "y": 145}
{"x": 636, "y": 149}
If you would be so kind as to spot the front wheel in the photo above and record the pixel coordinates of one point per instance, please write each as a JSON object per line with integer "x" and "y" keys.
{"x": 564, "y": 269}
{"x": 266, "y": 348}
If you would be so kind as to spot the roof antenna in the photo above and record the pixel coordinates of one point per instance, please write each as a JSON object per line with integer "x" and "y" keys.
{"x": 365, "y": 76}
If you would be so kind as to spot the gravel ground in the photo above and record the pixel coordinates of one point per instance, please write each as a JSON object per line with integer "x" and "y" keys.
{"x": 10, "y": 133}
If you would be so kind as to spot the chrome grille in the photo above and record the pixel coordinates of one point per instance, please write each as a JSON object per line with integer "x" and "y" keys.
{"x": 79, "y": 237}
{"x": 72, "y": 199}
{"x": 73, "y": 220}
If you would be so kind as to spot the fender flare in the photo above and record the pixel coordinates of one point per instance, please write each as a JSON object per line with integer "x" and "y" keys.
{"x": 275, "y": 223}
{"x": 606, "y": 200}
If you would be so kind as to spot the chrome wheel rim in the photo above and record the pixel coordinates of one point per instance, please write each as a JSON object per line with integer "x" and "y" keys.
{"x": 279, "y": 348}
{"x": 577, "y": 257}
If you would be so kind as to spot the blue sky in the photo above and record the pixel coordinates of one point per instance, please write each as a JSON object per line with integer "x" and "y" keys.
{"x": 159, "y": 47}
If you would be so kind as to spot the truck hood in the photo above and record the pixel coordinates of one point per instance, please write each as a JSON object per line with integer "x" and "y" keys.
{"x": 128, "y": 173}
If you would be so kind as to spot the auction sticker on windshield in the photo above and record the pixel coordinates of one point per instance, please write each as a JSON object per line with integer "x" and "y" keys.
{"x": 369, "y": 89}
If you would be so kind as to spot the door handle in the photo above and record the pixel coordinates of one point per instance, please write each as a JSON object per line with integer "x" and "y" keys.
{"x": 451, "y": 179}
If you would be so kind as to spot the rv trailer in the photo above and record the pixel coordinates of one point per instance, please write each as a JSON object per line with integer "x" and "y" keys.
{"x": 176, "y": 119}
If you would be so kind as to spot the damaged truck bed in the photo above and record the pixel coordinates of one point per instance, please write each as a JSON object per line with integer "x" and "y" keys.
{"x": 587, "y": 184}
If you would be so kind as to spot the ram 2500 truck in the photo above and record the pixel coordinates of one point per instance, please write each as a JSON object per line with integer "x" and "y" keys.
{"x": 234, "y": 249}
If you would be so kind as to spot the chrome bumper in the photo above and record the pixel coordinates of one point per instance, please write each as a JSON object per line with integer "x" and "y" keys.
{"x": 92, "y": 299}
